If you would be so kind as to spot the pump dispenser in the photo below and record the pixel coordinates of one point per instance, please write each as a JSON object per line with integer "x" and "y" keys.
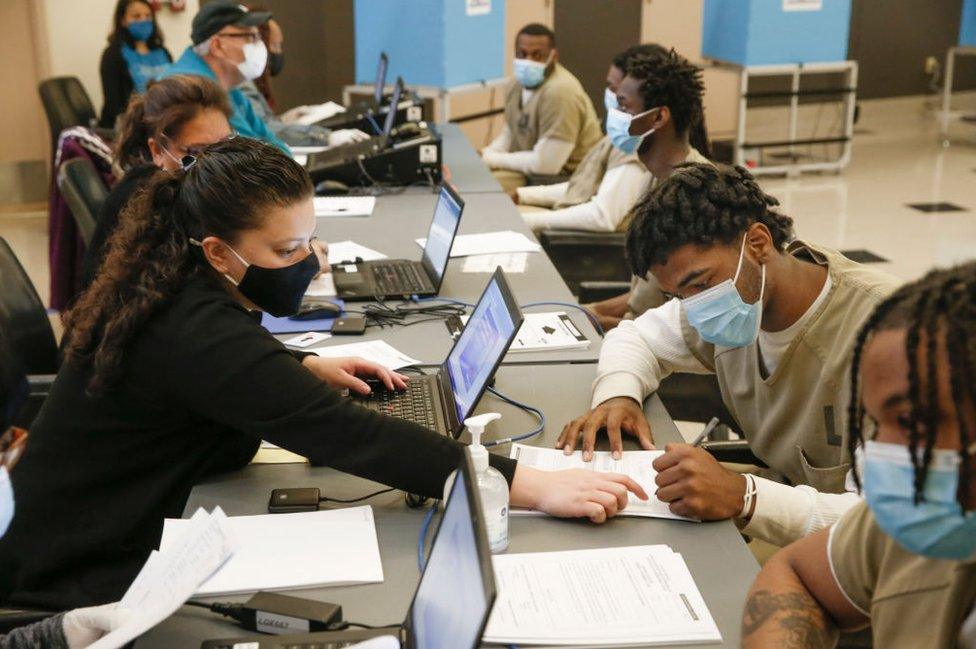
{"x": 491, "y": 484}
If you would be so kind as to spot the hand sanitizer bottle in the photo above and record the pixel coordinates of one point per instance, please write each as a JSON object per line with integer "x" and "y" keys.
{"x": 491, "y": 484}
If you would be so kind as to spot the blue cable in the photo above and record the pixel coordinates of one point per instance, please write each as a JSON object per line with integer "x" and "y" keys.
{"x": 589, "y": 316}
{"x": 518, "y": 404}
{"x": 372, "y": 121}
{"x": 422, "y": 540}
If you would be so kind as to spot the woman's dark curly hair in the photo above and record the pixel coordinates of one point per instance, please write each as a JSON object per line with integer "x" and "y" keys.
{"x": 226, "y": 191}
{"x": 700, "y": 204}
{"x": 938, "y": 308}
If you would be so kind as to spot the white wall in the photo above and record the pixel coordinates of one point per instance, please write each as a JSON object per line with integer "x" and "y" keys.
{"x": 74, "y": 33}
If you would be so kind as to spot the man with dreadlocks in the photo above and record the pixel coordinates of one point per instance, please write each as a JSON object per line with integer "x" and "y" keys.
{"x": 774, "y": 320}
{"x": 903, "y": 560}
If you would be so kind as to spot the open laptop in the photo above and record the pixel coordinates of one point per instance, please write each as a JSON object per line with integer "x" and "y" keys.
{"x": 404, "y": 277}
{"x": 364, "y": 148}
{"x": 453, "y": 600}
{"x": 443, "y": 400}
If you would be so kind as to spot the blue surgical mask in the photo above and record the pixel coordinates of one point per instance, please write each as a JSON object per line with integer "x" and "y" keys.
{"x": 141, "y": 30}
{"x": 936, "y": 527}
{"x": 610, "y": 100}
{"x": 719, "y": 314}
{"x": 6, "y": 501}
{"x": 530, "y": 73}
{"x": 618, "y": 129}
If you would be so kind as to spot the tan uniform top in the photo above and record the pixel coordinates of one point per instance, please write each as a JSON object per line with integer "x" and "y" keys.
{"x": 558, "y": 109}
{"x": 585, "y": 181}
{"x": 795, "y": 419}
{"x": 644, "y": 292}
{"x": 913, "y": 601}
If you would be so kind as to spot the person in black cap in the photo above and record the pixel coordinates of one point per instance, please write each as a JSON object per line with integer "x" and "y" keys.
{"x": 227, "y": 48}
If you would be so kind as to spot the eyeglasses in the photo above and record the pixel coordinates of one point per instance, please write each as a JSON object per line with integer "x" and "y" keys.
{"x": 249, "y": 37}
{"x": 12, "y": 446}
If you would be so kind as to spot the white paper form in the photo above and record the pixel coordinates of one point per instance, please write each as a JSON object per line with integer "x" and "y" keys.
{"x": 305, "y": 550}
{"x": 510, "y": 262}
{"x": 339, "y": 206}
{"x": 310, "y": 114}
{"x": 377, "y": 351}
{"x": 545, "y": 332}
{"x": 341, "y": 251}
{"x": 322, "y": 286}
{"x": 638, "y": 595}
{"x": 168, "y": 579}
{"x": 489, "y": 243}
{"x": 636, "y": 464}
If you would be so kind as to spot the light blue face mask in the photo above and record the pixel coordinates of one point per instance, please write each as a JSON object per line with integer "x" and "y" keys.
{"x": 529, "y": 73}
{"x": 610, "y": 100}
{"x": 936, "y": 527}
{"x": 6, "y": 501}
{"x": 141, "y": 30}
{"x": 618, "y": 129}
{"x": 719, "y": 314}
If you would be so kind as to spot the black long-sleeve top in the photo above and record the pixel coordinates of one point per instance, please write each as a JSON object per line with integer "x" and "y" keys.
{"x": 203, "y": 383}
{"x": 117, "y": 84}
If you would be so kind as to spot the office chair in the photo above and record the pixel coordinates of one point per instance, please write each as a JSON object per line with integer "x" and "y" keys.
{"x": 582, "y": 256}
{"x": 24, "y": 323}
{"x": 66, "y": 104}
{"x": 85, "y": 192}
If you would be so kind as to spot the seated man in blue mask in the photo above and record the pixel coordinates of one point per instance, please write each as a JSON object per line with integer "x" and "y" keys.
{"x": 903, "y": 561}
{"x": 228, "y": 49}
{"x": 775, "y": 319}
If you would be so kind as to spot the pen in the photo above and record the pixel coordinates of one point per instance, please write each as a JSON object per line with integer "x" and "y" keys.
{"x": 709, "y": 427}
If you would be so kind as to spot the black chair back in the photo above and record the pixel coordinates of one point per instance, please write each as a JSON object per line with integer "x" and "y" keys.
{"x": 23, "y": 318}
{"x": 66, "y": 104}
{"x": 586, "y": 256}
{"x": 85, "y": 192}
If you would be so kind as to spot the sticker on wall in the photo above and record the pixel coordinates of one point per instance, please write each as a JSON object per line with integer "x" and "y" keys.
{"x": 478, "y": 7}
{"x": 802, "y": 5}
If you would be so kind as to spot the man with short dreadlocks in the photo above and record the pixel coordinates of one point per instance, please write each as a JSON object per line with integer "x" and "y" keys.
{"x": 904, "y": 560}
{"x": 775, "y": 320}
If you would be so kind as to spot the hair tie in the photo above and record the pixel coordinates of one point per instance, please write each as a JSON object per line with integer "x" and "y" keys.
{"x": 188, "y": 161}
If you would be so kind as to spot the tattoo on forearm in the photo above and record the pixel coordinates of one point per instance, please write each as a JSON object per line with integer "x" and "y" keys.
{"x": 802, "y": 620}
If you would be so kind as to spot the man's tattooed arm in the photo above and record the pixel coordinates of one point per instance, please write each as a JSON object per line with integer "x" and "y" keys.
{"x": 790, "y": 619}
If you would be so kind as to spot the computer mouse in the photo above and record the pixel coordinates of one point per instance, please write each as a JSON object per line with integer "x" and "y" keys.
{"x": 317, "y": 311}
{"x": 331, "y": 188}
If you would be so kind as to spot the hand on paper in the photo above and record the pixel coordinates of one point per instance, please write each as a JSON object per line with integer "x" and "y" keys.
{"x": 346, "y": 136}
{"x": 321, "y": 250}
{"x": 694, "y": 484}
{"x": 83, "y": 626}
{"x": 345, "y": 373}
{"x": 616, "y": 415}
{"x": 574, "y": 493}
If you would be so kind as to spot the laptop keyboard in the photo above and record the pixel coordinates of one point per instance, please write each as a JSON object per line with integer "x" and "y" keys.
{"x": 415, "y": 404}
{"x": 399, "y": 278}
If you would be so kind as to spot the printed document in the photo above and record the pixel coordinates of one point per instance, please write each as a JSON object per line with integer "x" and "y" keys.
{"x": 337, "y": 206}
{"x": 377, "y": 351}
{"x": 341, "y": 251}
{"x": 489, "y": 243}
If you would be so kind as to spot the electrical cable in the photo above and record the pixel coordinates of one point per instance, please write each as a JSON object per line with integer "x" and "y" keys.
{"x": 326, "y": 499}
{"x": 589, "y": 316}
{"x": 422, "y": 537}
{"x": 437, "y": 298}
{"x": 376, "y": 127}
{"x": 518, "y": 404}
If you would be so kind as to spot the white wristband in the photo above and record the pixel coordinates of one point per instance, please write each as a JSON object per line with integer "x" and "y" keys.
{"x": 749, "y": 496}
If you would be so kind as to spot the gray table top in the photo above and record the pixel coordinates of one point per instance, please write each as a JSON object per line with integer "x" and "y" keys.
{"x": 400, "y": 219}
{"x": 465, "y": 169}
{"x": 715, "y": 553}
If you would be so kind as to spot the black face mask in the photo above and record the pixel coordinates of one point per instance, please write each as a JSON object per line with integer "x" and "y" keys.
{"x": 278, "y": 291}
{"x": 276, "y": 61}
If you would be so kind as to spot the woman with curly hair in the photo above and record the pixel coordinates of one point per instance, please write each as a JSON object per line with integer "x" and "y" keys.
{"x": 774, "y": 319}
{"x": 168, "y": 378}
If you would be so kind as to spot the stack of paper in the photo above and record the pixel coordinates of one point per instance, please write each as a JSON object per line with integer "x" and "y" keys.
{"x": 613, "y": 597}
{"x": 169, "y": 578}
{"x": 636, "y": 464}
{"x": 308, "y": 115}
{"x": 546, "y": 332}
{"x": 377, "y": 351}
{"x": 489, "y": 243}
{"x": 510, "y": 262}
{"x": 341, "y": 251}
{"x": 280, "y": 551}
{"x": 335, "y": 206}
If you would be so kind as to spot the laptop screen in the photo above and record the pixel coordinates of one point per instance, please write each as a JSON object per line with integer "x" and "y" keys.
{"x": 456, "y": 590}
{"x": 380, "y": 78}
{"x": 440, "y": 236}
{"x": 482, "y": 344}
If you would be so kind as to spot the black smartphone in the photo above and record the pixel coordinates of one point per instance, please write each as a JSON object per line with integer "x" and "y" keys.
{"x": 349, "y": 325}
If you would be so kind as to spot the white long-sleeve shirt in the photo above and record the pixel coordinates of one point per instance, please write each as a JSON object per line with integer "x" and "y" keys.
{"x": 547, "y": 157}
{"x": 619, "y": 190}
{"x": 638, "y": 354}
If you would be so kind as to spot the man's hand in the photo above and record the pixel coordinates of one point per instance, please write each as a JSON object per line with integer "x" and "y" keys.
{"x": 696, "y": 485}
{"x": 573, "y": 493}
{"x": 607, "y": 322}
{"x": 83, "y": 626}
{"x": 346, "y": 136}
{"x": 616, "y": 415}
{"x": 344, "y": 373}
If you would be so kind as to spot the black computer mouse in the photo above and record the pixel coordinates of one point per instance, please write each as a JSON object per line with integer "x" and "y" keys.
{"x": 317, "y": 310}
{"x": 331, "y": 188}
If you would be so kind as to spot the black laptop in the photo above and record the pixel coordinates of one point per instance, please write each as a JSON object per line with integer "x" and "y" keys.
{"x": 443, "y": 400}
{"x": 453, "y": 600}
{"x": 386, "y": 278}
{"x": 364, "y": 148}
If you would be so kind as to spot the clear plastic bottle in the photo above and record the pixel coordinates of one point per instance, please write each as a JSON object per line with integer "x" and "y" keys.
{"x": 491, "y": 484}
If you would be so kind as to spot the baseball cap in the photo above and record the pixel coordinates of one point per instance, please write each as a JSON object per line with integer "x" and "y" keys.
{"x": 214, "y": 16}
